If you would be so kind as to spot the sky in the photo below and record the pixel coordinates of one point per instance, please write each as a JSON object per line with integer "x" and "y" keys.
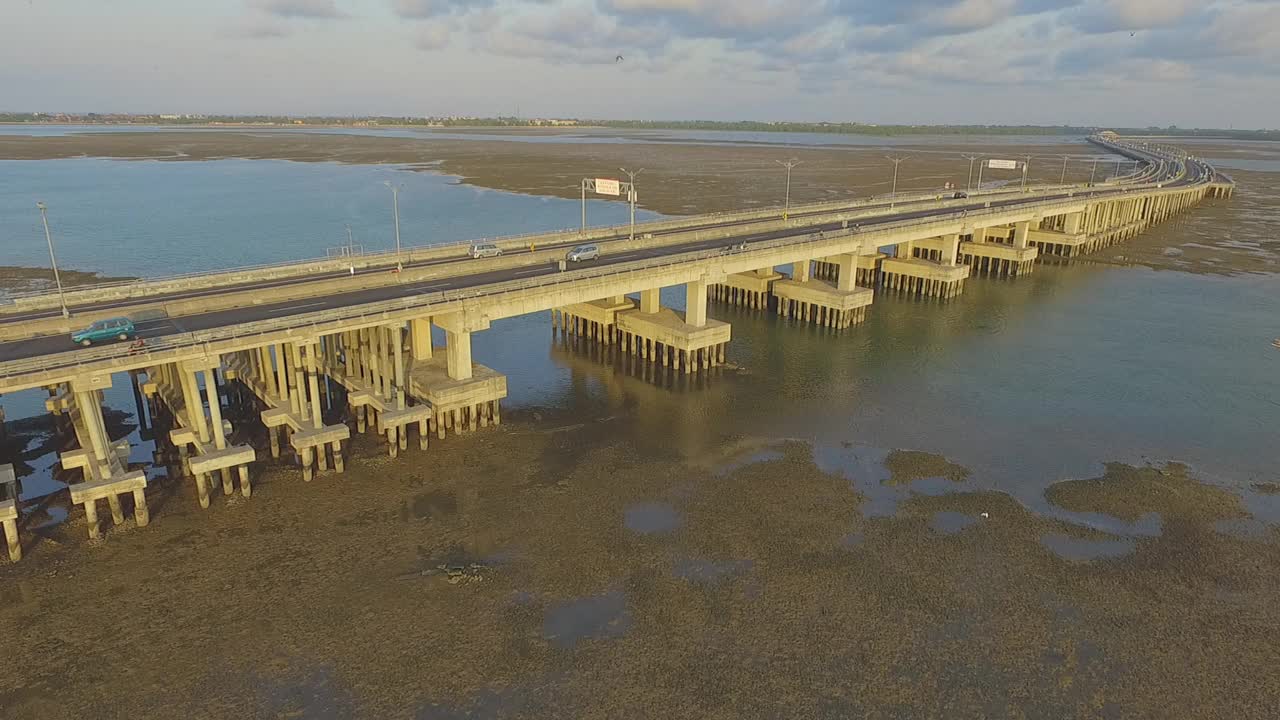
{"x": 1191, "y": 63}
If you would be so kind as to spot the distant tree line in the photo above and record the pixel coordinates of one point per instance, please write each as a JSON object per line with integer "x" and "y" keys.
{"x": 837, "y": 128}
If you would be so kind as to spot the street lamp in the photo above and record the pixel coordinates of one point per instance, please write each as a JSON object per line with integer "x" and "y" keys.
{"x": 1063, "y": 181}
{"x": 893, "y": 194}
{"x": 968, "y": 183}
{"x": 395, "y": 204}
{"x": 786, "y": 207}
{"x": 631, "y": 195}
{"x": 53, "y": 261}
{"x": 1026, "y": 163}
{"x": 1093, "y": 172}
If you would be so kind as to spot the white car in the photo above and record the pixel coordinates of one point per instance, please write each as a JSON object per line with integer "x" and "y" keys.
{"x": 583, "y": 252}
{"x": 484, "y": 250}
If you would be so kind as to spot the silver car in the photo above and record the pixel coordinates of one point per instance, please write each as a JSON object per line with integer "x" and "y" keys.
{"x": 484, "y": 250}
{"x": 583, "y": 252}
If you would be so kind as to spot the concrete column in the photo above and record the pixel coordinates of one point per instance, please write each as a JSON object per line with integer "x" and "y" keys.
{"x": 649, "y": 302}
{"x": 1021, "y": 235}
{"x": 950, "y": 251}
{"x": 313, "y": 383}
{"x": 695, "y": 299}
{"x": 297, "y": 384}
{"x": 215, "y": 409}
{"x": 397, "y": 342}
{"x": 420, "y": 336}
{"x": 459, "y": 355}
{"x": 800, "y": 271}
{"x": 979, "y": 235}
{"x": 195, "y": 408}
{"x": 282, "y": 380}
{"x": 91, "y": 415}
{"x": 1072, "y": 224}
{"x": 848, "y": 270}
{"x": 375, "y": 359}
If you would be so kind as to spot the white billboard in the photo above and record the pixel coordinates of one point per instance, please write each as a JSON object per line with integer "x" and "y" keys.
{"x": 605, "y": 186}
{"x": 1002, "y": 164}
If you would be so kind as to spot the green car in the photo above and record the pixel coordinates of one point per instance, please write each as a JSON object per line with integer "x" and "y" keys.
{"x": 113, "y": 329}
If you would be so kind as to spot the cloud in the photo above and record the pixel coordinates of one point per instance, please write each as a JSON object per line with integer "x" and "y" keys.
{"x": 312, "y": 9}
{"x": 723, "y": 18}
{"x": 432, "y": 36}
{"x": 1107, "y": 16}
{"x": 421, "y": 9}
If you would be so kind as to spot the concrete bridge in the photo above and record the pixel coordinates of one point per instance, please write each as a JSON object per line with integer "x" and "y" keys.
{"x": 290, "y": 340}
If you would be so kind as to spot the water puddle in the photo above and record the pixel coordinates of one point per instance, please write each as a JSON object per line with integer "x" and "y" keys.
{"x": 888, "y": 477}
{"x": 949, "y": 522}
{"x": 766, "y": 455}
{"x": 652, "y": 518}
{"x": 1082, "y": 550}
{"x": 598, "y": 616}
{"x": 709, "y": 572}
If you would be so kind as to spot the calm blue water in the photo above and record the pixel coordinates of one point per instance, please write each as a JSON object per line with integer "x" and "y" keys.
{"x": 153, "y": 218}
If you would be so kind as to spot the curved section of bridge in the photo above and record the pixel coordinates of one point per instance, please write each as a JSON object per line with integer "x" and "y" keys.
{"x": 354, "y": 329}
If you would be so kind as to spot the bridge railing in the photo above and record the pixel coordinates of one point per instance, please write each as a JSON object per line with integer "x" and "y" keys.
{"x": 320, "y": 322}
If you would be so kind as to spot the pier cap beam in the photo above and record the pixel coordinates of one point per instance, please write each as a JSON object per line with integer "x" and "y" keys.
{"x": 465, "y": 321}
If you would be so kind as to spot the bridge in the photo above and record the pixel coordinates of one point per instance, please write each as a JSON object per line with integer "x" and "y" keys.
{"x": 288, "y": 340}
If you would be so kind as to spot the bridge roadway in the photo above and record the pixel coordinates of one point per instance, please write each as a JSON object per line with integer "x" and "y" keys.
{"x": 53, "y": 345}
{"x": 388, "y": 261}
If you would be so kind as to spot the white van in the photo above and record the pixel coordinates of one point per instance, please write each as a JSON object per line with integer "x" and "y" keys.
{"x": 484, "y": 250}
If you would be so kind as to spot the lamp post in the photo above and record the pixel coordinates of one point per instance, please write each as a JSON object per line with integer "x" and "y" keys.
{"x": 1026, "y": 163}
{"x": 893, "y": 194}
{"x": 395, "y": 204}
{"x": 786, "y": 203}
{"x": 968, "y": 183}
{"x": 1063, "y": 180}
{"x": 53, "y": 260}
{"x": 631, "y": 195}
{"x": 1094, "y": 171}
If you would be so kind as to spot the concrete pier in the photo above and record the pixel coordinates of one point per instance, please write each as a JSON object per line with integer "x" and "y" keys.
{"x": 923, "y": 277}
{"x": 665, "y": 339}
{"x": 822, "y": 303}
{"x": 458, "y": 404}
{"x": 200, "y": 438}
{"x": 595, "y": 321}
{"x": 749, "y": 289}
{"x": 998, "y": 259}
{"x": 292, "y": 406}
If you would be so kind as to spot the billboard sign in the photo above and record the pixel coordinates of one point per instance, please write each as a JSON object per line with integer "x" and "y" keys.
{"x": 605, "y": 186}
{"x": 1002, "y": 164}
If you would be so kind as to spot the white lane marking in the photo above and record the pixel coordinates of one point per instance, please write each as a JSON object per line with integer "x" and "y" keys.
{"x": 529, "y": 272}
{"x": 293, "y": 308}
{"x": 428, "y": 288}
{"x": 623, "y": 257}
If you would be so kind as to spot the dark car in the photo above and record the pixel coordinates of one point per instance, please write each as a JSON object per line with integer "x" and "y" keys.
{"x": 960, "y": 195}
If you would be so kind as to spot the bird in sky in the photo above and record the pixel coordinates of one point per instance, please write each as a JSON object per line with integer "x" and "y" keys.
{"x": 1132, "y": 34}
{"x": 618, "y": 59}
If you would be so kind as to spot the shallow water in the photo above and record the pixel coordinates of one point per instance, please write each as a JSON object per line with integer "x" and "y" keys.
{"x": 158, "y": 218}
{"x": 1023, "y": 382}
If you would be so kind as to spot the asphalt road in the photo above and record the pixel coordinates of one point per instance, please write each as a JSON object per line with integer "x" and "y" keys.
{"x": 56, "y": 344}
